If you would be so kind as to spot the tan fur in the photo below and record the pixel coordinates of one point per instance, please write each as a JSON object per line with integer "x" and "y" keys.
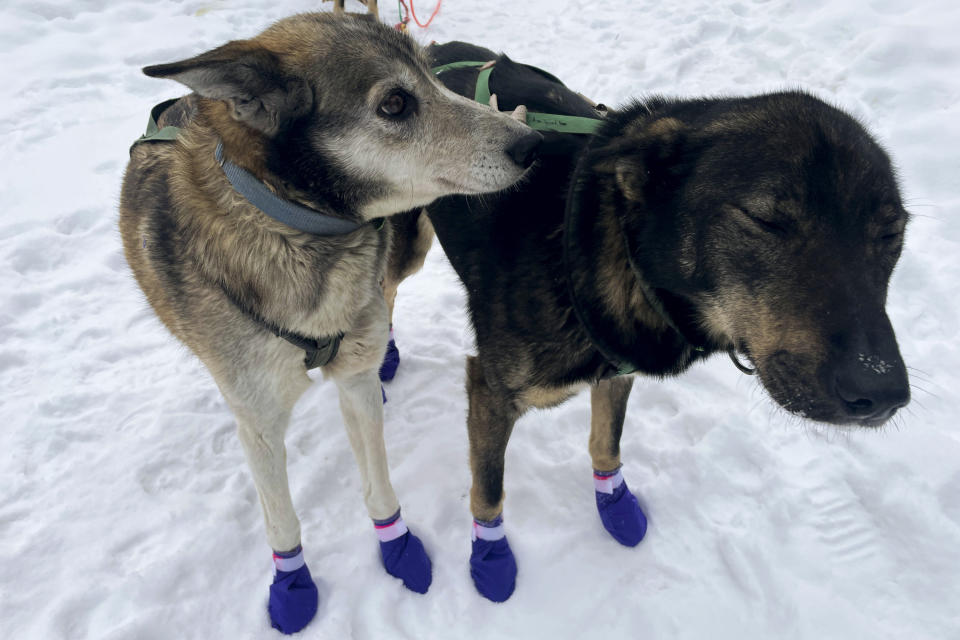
{"x": 409, "y": 248}
{"x": 545, "y": 398}
{"x": 620, "y": 283}
{"x": 737, "y": 316}
{"x": 608, "y": 405}
{"x": 487, "y": 446}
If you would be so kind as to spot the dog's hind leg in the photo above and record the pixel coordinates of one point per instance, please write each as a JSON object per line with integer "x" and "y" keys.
{"x": 403, "y": 554}
{"x": 261, "y": 392}
{"x": 489, "y": 424}
{"x": 411, "y": 237}
{"x": 619, "y": 511}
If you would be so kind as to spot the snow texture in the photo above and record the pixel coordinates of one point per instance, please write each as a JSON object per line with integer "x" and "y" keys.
{"x": 126, "y": 510}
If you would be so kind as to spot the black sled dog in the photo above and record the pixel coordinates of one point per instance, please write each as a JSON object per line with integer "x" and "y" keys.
{"x": 766, "y": 226}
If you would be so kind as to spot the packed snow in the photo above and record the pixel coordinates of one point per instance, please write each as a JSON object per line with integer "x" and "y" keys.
{"x": 126, "y": 509}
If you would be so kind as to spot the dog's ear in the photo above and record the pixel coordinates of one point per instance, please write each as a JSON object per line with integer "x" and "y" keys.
{"x": 646, "y": 156}
{"x": 250, "y": 79}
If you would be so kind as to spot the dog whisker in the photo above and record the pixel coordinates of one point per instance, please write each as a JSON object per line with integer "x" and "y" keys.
{"x": 915, "y": 401}
{"x": 914, "y": 385}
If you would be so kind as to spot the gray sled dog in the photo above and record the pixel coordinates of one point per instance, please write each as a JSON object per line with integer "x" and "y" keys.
{"x": 257, "y": 234}
{"x": 767, "y": 225}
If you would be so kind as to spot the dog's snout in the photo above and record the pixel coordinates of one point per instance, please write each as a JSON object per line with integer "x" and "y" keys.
{"x": 524, "y": 150}
{"x": 871, "y": 389}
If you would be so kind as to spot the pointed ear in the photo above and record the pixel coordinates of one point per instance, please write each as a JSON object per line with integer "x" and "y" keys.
{"x": 646, "y": 157}
{"x": 250, "y": 79}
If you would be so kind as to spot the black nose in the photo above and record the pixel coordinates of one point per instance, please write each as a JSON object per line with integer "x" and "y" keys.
{"x": 871, "y": 388}
{"x": 524, "y": 150}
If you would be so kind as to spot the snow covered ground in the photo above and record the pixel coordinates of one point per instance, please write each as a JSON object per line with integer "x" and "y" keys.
{"x": 126, "y": 510}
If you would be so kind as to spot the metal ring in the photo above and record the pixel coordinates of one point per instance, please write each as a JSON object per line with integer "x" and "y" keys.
{"x": 744, "y": 368}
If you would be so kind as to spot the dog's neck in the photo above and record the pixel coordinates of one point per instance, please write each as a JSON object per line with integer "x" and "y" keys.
{"x": 273, "y": 174}
{"x": 284, "y": 211}
{"x": 625, "y": 317}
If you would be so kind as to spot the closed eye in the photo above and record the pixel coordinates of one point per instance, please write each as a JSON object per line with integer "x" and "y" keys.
{"x": 767, "y": 225}
{"x": 892, "y": 225}
{"x": 764, "y": 224}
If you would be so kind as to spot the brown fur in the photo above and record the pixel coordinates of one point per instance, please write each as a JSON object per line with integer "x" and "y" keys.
{"x": 412, "y": 238}
{"x": 608, "y": 407}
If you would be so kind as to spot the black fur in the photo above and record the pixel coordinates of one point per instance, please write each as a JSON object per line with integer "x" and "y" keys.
{"x": 682, "y": 179}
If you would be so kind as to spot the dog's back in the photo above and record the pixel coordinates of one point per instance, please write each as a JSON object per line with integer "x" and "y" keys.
{"x": 503, "y": 253}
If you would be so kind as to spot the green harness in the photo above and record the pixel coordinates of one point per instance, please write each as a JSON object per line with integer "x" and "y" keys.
{"x": 155, "y": 133}
{"x": 538, "y": 121}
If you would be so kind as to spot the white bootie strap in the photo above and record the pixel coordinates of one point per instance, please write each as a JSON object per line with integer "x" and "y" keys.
{"x": 492, "y": 530}
{"x": 607, "y": 481}
{"x": 287, "y": 562}
{"x": 390, "y": 529}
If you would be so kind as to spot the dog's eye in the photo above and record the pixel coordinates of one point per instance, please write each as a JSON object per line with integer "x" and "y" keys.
{"x": 398, "y": 104}
{"x": 892, "y": 242}
{"x": 769, "y": 226}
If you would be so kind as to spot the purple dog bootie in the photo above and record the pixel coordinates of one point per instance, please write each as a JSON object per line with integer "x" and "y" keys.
{"x": 619, "y": 511}
{"x": 391, "y": 360}
{"x": 403, "y": 554}
{"x": 293, "y": 595}
{"x": 492, "y": 565}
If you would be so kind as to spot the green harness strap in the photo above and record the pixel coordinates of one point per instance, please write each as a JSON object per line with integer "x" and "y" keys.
{"x": 482, "y": 93}
{"x": 538, "y": 121}
{"x": 154, "y": 132}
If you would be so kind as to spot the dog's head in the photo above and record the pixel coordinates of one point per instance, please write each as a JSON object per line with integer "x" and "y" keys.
{"x": 775, "y": 222}
{"x": 346, "y": 109}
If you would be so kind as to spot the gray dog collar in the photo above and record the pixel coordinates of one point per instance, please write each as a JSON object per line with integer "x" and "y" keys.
{"x": 293, "y": 215}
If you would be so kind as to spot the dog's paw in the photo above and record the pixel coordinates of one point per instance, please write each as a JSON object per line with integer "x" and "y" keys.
{"x": 493, "y": 569}
{"x": 619, "y": 510}
{"x": 405, "y": 558}
{"x": 293, "y": 599}
{"x": 391, "y": 360}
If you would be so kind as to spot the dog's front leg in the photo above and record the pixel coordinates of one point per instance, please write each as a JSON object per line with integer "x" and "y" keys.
{"x": 362, "y": 406}
{"x": 262, "y": 401}
{"x": 619, "y": 511}
{"x": 489, "y": 424}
